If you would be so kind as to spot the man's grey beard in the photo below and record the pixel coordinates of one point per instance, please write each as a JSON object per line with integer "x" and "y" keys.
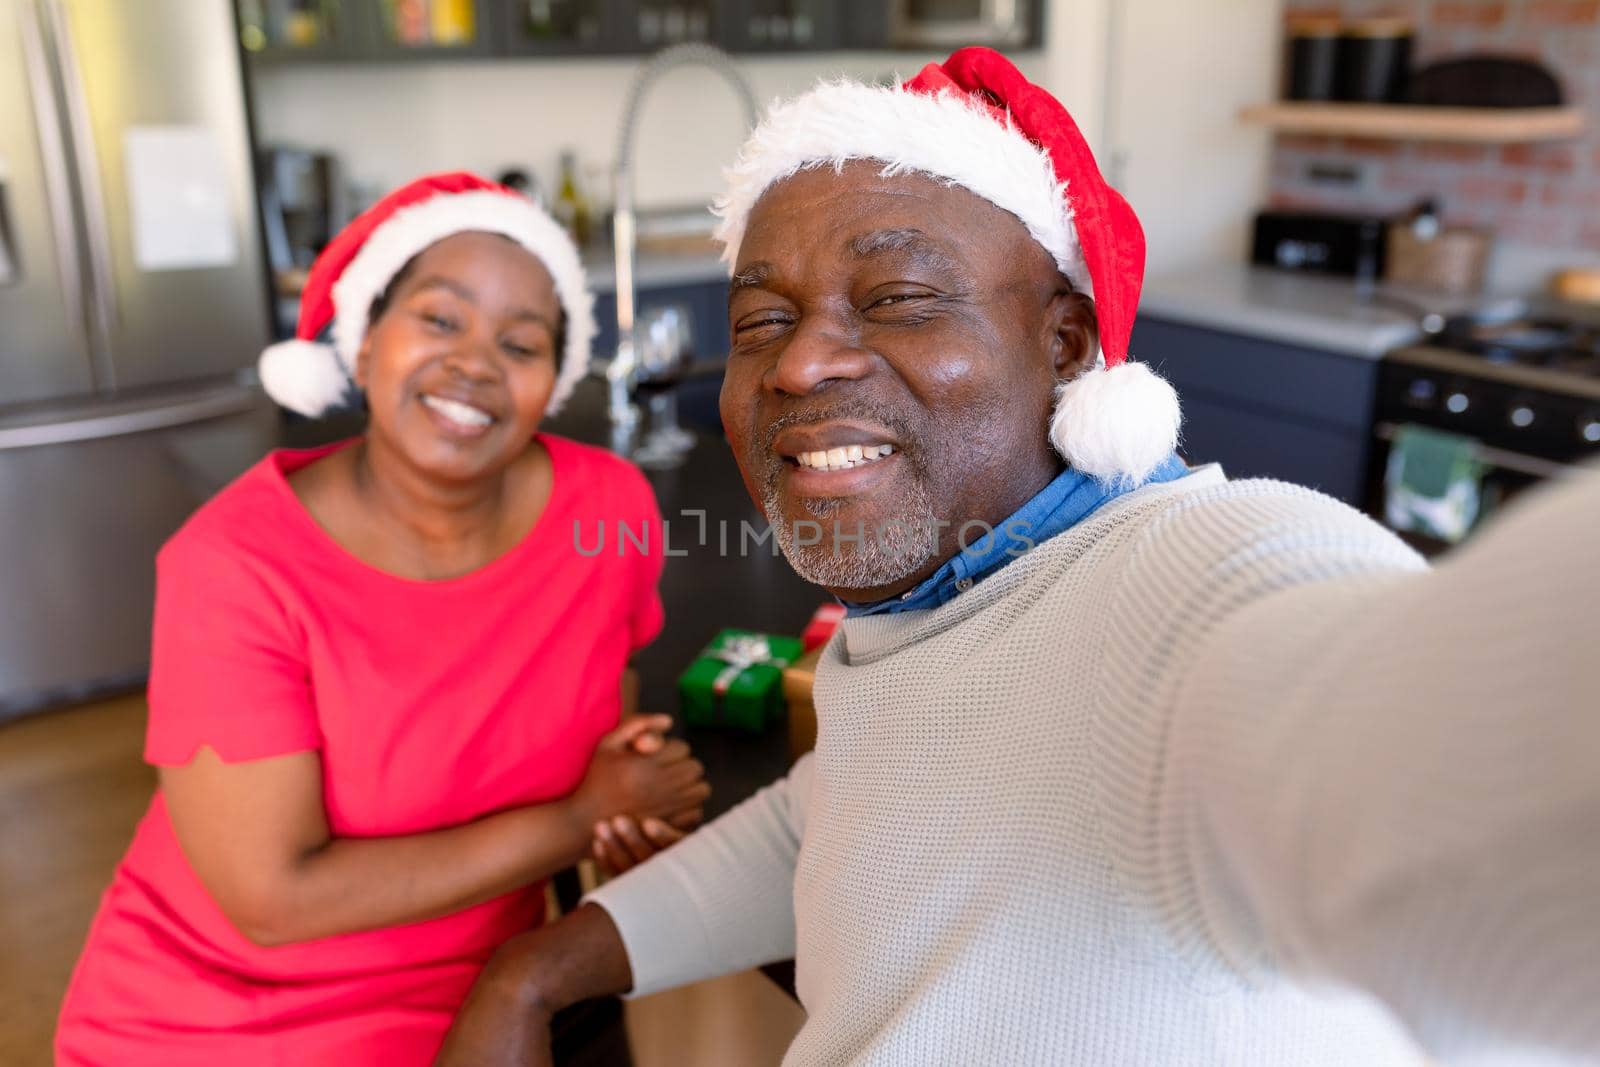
{"x": 860, "y": 558}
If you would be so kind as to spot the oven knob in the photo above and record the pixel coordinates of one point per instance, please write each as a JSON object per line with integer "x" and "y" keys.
{"x": 1421, "y": 391}
{"x": 1522, "y": 416}
{"x": 1589, "y": 427}
{"x": 1457, "y": 403}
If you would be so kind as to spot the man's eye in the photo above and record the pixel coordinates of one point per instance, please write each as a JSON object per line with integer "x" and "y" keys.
{"x": 897, "y": 299}
{"x": 760, "y": 323}
{"x": 440, "y": 323}
{"x": 900, "y": 309}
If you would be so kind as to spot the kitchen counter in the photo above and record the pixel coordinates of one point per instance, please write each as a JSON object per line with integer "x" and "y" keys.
{"x": 1305, "y": 310}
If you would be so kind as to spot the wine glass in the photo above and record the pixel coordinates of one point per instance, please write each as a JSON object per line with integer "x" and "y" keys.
{"x": 665, "y": 345}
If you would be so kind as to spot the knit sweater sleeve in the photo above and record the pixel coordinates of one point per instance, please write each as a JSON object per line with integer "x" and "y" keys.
{"x": 1325, "y": 762}
{"x": 720, "y": 901}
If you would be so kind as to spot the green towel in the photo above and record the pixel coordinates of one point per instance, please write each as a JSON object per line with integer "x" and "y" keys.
{"x": 1433, "y": 484}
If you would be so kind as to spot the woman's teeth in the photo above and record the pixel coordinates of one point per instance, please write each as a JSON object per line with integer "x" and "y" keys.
{"x": 463, "y": 414}
{"x": 842, "y": 459}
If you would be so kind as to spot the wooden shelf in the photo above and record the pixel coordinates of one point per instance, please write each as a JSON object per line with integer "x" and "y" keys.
{"x": 1394, "y": 122}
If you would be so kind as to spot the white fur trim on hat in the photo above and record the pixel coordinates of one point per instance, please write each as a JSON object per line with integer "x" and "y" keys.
{"x": 948, "y": 135}
{"x": 412, "y": 229}
{"x": 304, "y": 376}
{"x": 1116, "y": 424}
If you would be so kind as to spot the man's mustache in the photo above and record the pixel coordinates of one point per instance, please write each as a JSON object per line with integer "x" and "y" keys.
{"x": 852, "y": 410}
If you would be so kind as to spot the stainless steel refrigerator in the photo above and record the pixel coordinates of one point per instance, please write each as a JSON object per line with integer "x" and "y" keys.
{"x": 133, "y": 302}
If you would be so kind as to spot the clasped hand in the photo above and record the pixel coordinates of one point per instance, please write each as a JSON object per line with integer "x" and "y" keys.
{"x": 642, "y": 793}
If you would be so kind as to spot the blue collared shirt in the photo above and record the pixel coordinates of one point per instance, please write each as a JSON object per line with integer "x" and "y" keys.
{"x": 1065, "y": 502}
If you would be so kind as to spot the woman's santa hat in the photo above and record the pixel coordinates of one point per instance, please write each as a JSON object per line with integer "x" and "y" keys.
{"x": 976, "y": 122}
{"x": 309, "y": 376}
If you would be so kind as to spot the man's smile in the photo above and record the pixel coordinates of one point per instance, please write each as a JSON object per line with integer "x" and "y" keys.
{"x": 843, "y": 459}
{"x": 832, "y": 458}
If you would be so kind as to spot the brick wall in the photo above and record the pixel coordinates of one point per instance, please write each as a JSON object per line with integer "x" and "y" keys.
{"x": 1543, "y": 194}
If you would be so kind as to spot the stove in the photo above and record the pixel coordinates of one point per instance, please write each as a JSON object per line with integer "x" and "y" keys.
{"x": 1527, "y": 387}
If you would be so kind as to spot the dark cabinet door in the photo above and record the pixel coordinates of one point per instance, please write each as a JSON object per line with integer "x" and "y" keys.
{"x": 648, "y": 25}
{"x": 781, "y": 25}
{"x": 862, "y": 25}
{"x": 1266, "y": 409}
{"x": 559, "y": 27}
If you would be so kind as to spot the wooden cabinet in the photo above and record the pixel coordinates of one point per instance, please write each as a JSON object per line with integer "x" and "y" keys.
{"x": 1267, "y": 409}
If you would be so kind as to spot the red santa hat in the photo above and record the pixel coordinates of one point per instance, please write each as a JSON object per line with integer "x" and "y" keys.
{"x": 976, "y": 122}
{"x": 308, "y": 375}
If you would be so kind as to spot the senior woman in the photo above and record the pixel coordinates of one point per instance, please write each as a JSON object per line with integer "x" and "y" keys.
{"x": 385, "y": 689}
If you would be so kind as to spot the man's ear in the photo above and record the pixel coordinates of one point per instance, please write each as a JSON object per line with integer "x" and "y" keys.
{"x": 1074, "y": 333}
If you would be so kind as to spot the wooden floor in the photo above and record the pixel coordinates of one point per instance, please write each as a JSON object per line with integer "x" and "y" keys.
{"x": 71, "y": 789}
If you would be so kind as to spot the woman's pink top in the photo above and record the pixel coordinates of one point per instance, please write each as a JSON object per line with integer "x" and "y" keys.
{"x": 430, "y": 704}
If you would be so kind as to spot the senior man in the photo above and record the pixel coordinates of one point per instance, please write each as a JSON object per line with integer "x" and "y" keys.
{"x": 1157, "y": 769}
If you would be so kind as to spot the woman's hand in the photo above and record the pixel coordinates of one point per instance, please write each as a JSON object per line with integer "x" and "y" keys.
{"x": 626, "y": 777}
{"x": 624, "y": 842}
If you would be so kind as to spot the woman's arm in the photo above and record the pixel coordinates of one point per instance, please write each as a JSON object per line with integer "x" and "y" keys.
{"x": 257, "y": 835}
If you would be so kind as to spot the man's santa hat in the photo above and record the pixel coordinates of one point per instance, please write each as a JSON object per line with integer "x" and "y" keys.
{"x": 309, "y": 376}
{"x": 976, "y": 122}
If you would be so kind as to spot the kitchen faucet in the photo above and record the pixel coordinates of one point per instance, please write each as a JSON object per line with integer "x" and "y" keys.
{"x": 622, "y": 374}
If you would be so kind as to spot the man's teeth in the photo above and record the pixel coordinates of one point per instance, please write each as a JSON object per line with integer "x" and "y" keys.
{"x": 842, "y": 459}
{"x": 457, "y": 412}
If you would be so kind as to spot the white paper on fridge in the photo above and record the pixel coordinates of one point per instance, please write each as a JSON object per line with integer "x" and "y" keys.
{"x": 178, "y": 197}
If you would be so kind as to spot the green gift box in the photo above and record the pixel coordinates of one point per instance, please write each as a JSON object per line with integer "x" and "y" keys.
{"x": 737, "y": 680}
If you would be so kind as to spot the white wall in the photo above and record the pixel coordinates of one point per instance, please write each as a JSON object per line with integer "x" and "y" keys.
{"x": 1178, "y": 70}
{"x": 1181, "y": 71}
{"x": 389, "y": 123}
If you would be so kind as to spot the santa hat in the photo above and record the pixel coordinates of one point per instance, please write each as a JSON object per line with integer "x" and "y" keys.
{"x": 309, "y": 376}
{"x": 976, "y": 122}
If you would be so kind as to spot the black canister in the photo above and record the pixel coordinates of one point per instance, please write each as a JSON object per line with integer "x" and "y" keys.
{"x": 1313, "y": 58}
{"x": 1374, "y": 60}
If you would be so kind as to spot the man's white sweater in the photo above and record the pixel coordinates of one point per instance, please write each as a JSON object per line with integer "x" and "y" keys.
{"x": 1197, "y": 781}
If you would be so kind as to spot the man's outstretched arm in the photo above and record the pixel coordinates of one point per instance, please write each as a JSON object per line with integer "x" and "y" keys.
{"x": 719, "y": 902}
{"x": 506, "y": 1020}
{"x": 1385, "y": 779}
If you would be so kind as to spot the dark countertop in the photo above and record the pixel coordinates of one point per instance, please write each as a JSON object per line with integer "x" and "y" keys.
{"x": 705, "y": 590}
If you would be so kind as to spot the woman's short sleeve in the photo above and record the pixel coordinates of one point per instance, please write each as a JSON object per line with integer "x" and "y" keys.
{"x": 228, "y": 668}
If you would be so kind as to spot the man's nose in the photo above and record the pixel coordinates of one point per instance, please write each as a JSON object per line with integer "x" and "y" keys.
{"x": 820, "y": 351}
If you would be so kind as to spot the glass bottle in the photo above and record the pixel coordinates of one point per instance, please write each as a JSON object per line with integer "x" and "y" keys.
{"x": 571, "y": 207}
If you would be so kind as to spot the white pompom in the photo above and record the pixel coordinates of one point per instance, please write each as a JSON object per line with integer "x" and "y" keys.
{"x": 1116, "y": 424}
{"x": 303, "y": 376}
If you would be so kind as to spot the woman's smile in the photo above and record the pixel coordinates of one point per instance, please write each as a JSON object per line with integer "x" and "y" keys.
{"x": 457, "y": 418}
